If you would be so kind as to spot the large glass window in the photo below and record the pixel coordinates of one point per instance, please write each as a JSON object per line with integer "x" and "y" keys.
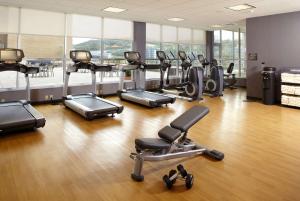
{"x": 9, "y": 19}
{"x": 171, "y": 39}
{"x": 81, "y": 26}
{"x": 169, "y": 34}
{"x": 153, "y": 39}
{"x": 185, "y": 35}
{"x": 8, "y": 39}
{"x": 47, "y": 38}
{"x": 115, "y": 48}
{"x": 8, "y": 79}
{"x": 186, "y": 48}
{"x": 89, "y": 44}
{"x": 153, "y": 32}
{"x": 36, "y": 22}
{"x": 46, "y": 53}
{"x": 151, "y": 48}
{"x": 243, "y": 54}
{"x": 171, "y": 50}
{"x": 42, "y": 40}
{"x": 217, "y": 36}
{"x": 229, "y": 47}
{"x": 116, "y": 40}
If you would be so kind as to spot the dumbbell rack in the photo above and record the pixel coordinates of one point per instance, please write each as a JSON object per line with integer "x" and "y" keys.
{"x": 290, "y": 88}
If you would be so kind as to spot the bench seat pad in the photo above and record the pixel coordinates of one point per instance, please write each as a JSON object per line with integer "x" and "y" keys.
{"x": 189, "y": 118}
{"x": 152, "y": 143}
{"x": 169, "y": 134}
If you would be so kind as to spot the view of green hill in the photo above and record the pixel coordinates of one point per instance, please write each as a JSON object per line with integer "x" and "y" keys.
{"x": 112, "y": 48}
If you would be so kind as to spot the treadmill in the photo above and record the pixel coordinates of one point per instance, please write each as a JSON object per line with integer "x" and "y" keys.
{"x": 88, "y": 105}
{"x": 139, "y": 95}
{"x": 18, "y": 115}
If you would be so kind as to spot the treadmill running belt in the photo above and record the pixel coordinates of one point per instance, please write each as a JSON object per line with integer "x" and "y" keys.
{"x": 93, "y": 103}
{"x": 13, "y": 116}
{"x": 146, "y": 95}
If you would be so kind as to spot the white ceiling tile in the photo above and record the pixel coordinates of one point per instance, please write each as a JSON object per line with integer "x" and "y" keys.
{"x": 197, "y": 13}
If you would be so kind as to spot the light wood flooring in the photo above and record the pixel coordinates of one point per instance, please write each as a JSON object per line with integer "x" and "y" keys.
{"x": 76, "y": 160}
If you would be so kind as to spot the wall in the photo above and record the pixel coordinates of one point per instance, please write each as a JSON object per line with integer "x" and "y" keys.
{"x": 139, "y": 38}
{"x": 276, "y": 40}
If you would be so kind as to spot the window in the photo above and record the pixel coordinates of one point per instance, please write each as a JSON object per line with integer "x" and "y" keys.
{"x": 45, "y": 52}
{"x": 186, "y": 48}
{"x": 169, "y": 34}
{"x": 47, "y": 38}
{"x": 8, "y": 39}
{"x": 243, "y": 54}
{"x": 185, "y": 40}
{"x": 117, "y": 41}
{"x": 229, "y": 47}
{"x": 171, "y": 50}
{"x": 196, "y": 50}
{"x": 9, "y": 19}
{"x": 89, "y": 44}
{"x": 8, "y": 79}
{"x": 151, "y": 48}
{"x": 199, "y": 37}
{"x": 117, "y": 29}
{"x": 153, "y": 39}
{"x": 185, "y": 35}
{"x": 38, "y": 22}
{"x": 42, "y": 40}
{"x": 81, "y": 26}
{"x": 153, "y": 32}
{"x": 217, "y": 36}
{"x": 199, "y": 49}
{"x": 114, "y": 48}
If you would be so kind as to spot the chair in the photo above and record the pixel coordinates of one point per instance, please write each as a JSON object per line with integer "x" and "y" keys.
{"x": 229, "y": 77}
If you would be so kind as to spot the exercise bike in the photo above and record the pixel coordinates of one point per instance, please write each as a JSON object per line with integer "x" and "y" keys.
{"x": 213, "y": 77}
{"x": 172, "y": 143}
{"x": 190, "y": 86}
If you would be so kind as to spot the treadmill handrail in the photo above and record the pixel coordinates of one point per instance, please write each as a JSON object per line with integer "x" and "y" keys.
{"x": 21, "y": 68}
{"x": 90, "y": 66}
{"x": 125, "y": 67}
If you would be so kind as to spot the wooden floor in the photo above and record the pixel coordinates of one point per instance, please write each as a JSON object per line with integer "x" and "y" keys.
{"x": 76, "y": 160}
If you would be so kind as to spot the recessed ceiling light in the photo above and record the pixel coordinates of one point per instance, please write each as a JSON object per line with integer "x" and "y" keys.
{"x": 175, "y": 19}
{"x": 114, "y": 10}
{"x": 241, "y": 7}
{"x": 216, "y": 26}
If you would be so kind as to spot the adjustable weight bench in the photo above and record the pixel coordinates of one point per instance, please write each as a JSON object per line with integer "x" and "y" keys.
{"x": 172, "y": 143}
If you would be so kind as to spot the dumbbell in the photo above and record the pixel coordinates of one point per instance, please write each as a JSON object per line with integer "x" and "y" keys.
{"x": 170, "y": 179}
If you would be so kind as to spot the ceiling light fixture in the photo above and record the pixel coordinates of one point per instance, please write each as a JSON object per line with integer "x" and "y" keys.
{"x": 241, "y": 7}
{"x": 175, "y": 19}
{"x": 216, "y": 26}
{"x": 114, "y": 10}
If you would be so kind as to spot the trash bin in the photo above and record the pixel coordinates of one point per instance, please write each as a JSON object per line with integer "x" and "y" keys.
{"x": 269, "y": 81}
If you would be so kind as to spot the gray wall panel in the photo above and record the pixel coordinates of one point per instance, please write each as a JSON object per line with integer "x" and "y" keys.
{"x": 276, "y": 40}
{"x": 139, "y": 38}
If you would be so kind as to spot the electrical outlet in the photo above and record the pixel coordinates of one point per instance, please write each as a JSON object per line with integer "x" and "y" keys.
{"x": 3, "y": 100}
{"x": 51, "y": 97}
{"x": 46, "y": 97}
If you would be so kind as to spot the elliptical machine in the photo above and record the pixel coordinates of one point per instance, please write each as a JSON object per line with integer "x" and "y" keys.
{"x": 191, "y": 82}
{"x": 213, "y": 77}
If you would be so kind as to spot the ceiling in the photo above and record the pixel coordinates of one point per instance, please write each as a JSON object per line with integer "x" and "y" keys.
{"x": 197, "y": 13}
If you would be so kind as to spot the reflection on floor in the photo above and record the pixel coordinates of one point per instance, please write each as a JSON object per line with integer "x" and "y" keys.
{"x": 74, "y": 159}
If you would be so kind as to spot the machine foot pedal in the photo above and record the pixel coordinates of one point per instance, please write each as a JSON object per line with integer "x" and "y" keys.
{"x": 214, "y": 154}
